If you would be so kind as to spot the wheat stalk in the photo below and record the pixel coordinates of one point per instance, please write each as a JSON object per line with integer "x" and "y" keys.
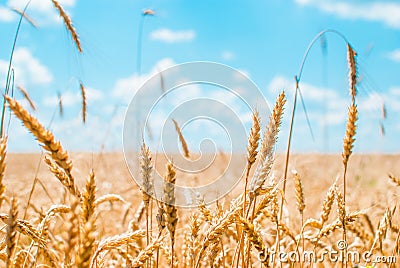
{"x": 3, "y": 154}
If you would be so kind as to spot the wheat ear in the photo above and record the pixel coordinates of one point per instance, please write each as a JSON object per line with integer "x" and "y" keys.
{"x": 253, "y": 236}
{"x": 352, "y": 62}
{"x": 169, "y": 206}
{"x": 252, "y": 152}
{"x": 87, "y": 244}
{"x": 27, "y": 97}
{"x": 44, "y": 137}
{"x": 26, "y": 17}
{"x": 88, "y": 198}
{"x": 327, "y": 203}
{"x": 68, "y": 23}
{"x": 11, "y": 235}
{"x": 60, "y": 104}
{"x": 182, "y": 139}
{"x": 146, "y": 253}
{"x": 299, "y": 192}
{"x": 266, "y": 154}
{"x": 84, "y": 102}
{"x": 114, "y": 242}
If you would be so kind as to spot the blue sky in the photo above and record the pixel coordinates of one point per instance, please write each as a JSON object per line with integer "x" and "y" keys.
{"x": 264, "y": 39}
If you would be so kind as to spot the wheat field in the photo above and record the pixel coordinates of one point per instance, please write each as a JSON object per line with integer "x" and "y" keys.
{"x": 62, "y": 209}
{"x": 83, "y": 210}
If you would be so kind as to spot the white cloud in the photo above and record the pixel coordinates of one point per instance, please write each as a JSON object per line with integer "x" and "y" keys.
{"x": 384, "y": 12}
{"x": 27, "y": 69}
{"x": 395, "y": 91}
{"x": 41, "y": 10}
{"x": 314, "y": 95}
{"x": 6, "y": 15}
{"x": 394, "y": 55}
{"x": 309, "y": 92}
{"x": 227, "y": 55}
{"x": 125, "y": 88}
{"x": 70, "y": 98}
{"x": 170, "y": 36}
{"x": 371, "y": 103}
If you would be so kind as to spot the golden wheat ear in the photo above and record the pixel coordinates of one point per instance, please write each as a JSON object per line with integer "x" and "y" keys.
{"x": 27, "y": 97}
{"x": 169, "y": 206}
{"x": 58, "y": 161}
{"x": 11, "y": 234}
{"x": 185, "y": 147}
{"x": 84, "y": 102}
{"x": 68, "y": 24}
{"x": 352, "y": 62}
